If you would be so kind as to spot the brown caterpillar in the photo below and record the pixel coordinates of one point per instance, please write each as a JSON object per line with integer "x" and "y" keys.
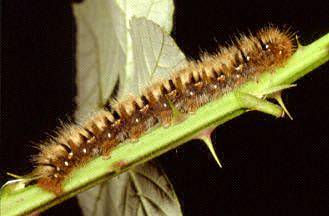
{"x": 188, "y": 89}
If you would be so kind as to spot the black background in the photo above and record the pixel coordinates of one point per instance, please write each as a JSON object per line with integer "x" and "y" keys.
{"x": 271, "y": 166}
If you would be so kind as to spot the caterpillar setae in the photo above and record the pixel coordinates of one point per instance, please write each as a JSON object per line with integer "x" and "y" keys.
{"x": 185, "y": 91}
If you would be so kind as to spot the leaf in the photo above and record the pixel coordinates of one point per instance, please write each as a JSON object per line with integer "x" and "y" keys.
{"x": 104, "y": 46}
{"x": 97, "y": 54}
{"x": 155, "y": 54}
{"x": 106, "y": 52}
{"x": 160, "y": 12}
{"x": 133, "y": 193}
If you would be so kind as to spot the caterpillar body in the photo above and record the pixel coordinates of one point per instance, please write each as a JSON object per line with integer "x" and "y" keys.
{"x": 187, "y": 89}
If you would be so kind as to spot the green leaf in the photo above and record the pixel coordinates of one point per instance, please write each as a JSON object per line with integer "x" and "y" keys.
{"x": 96, "y": 56}
{"x": 104, "y": 46}
{"x": 145, "y": 190}
{"x": 155, "y": 53}
{"x": 158, "y": 11}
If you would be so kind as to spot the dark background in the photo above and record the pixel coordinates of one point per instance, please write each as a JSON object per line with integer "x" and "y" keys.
{"x": 271, "y": 166}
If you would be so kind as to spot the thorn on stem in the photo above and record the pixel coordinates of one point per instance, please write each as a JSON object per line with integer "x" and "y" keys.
{"x": 299, "y": 45}
{"x": 205, "y": 136}
{"x": 278, "y": 97}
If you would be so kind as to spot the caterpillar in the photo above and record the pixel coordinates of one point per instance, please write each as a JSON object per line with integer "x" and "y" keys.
{"x": 186, "y": 90}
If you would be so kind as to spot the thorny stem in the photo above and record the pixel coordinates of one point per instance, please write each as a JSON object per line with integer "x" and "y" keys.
{"x": 33, "y": 199}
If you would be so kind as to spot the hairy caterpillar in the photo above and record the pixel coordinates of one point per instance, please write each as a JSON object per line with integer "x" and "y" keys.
{"x": 186, "y": 90}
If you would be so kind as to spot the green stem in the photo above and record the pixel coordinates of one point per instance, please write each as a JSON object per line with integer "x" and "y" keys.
{"x": 34, "y": 199}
